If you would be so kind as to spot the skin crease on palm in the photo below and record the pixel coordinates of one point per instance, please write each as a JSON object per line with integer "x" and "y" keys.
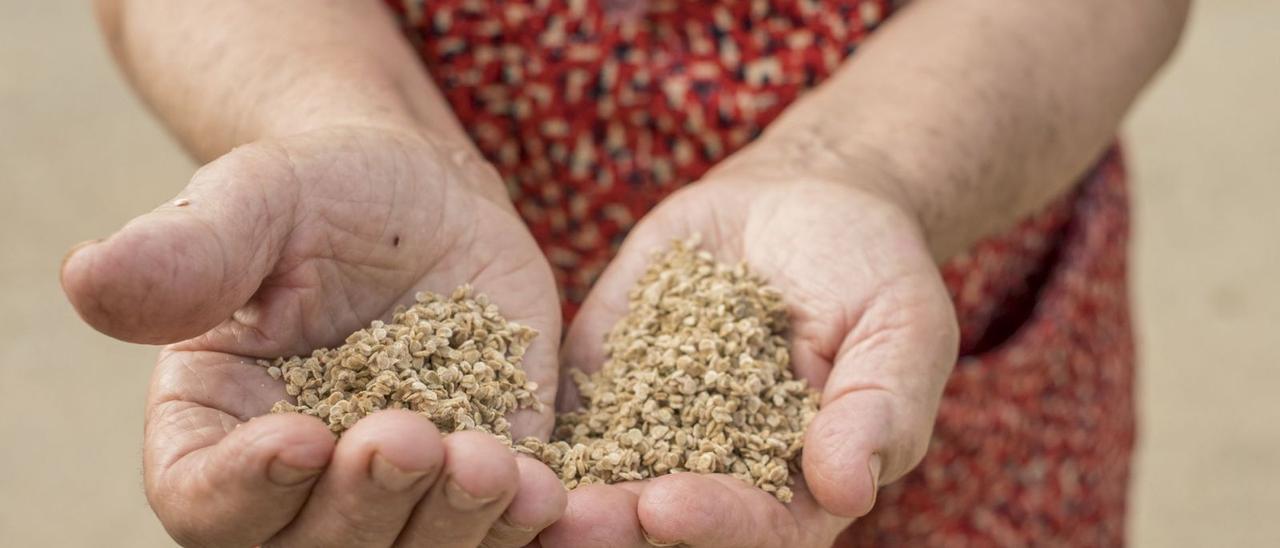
{"x": 282, "y": 247}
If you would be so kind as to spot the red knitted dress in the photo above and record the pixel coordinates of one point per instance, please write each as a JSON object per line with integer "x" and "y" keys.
{"x": 593, "y": 119}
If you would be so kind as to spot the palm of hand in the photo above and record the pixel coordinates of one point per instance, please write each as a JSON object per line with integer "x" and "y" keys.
{"x": 872, "y": 328}
{"x": 287, "y": 247}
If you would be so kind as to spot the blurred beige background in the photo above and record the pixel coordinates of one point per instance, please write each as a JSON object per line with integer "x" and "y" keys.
{"x": 79, "y": 156}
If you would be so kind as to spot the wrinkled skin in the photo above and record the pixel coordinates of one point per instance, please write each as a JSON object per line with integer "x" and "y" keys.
{"x": 285, "y": 246}
{"x": 872, "y": 328}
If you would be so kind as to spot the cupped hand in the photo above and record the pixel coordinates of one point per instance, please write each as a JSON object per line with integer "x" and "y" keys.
{"x": 872, "y": 328}
{"x": 278, "y": 248}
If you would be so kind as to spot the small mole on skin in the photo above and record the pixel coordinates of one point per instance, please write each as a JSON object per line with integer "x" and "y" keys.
{"x": 181, "y": 202}
{"x": 395, "y": 241}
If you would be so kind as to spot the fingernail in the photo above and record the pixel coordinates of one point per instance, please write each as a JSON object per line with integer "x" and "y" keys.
{"x": 874, "y": 466}
{"x": 460, "y": 499}
{"x": 288, "y": 476}
{"x": 76, "y": 248}
{"x": 655, "y": 542}
{"x": 391, "y": 477}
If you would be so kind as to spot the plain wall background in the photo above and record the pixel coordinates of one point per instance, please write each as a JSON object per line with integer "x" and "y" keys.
{"x": 79, "y": 156}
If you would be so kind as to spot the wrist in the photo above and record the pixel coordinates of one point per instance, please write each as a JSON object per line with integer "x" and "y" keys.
{"x": 346, "y": 96}
{"x": 460, "y": 163}
{"x": 297, "y": 109}
{"x": 815, "y": 207}
{"x": 784, "y": 160}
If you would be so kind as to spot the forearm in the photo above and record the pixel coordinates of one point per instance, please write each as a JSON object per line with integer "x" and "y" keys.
{"x": 221, "y": 73}
{"x": 973, "y": 113}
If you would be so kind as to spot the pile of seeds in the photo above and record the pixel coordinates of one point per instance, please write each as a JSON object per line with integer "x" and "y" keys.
{"x": 454, "y": 360}
{"x": 697, "y": 378}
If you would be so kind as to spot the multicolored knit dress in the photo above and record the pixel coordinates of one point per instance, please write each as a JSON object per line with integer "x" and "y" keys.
{"x": 593, "y": 118}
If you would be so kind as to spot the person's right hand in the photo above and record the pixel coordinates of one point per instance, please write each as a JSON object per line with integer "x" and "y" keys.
{"x": 281, "y": 247}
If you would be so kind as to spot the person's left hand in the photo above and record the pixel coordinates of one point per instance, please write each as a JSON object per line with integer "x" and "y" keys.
{"x": 873, "y": 329}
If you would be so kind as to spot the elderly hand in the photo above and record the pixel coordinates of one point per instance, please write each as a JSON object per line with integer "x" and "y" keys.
{"x": 872, "y": 328}
{"x": 283, "y": 246}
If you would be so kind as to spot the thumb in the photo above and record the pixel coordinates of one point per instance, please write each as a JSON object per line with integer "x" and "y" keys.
{"x": 182, "y": 269}
{"x": 881, "y": 399}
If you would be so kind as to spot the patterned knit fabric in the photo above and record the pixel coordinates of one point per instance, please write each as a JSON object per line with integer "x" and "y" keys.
{"x": 593, "y": 118}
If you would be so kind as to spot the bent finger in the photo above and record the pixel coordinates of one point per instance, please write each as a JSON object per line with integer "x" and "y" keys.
{"x": 539, "y": 502}
{"x": 597, "y": 516}
{"x": 239, "y": 490}
{"x": 380, "y": 469}
{"x": 478, "y": 482}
